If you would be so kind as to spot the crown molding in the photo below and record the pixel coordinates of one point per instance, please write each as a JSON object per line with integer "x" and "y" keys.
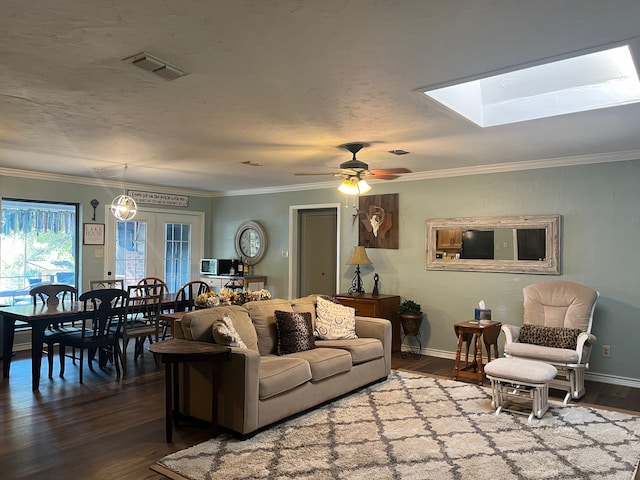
{"x": 609, "y": 157}
{"x": 100, "y": 182}
{"x": 460, "y": 172}
{"x": 572, "y": 161}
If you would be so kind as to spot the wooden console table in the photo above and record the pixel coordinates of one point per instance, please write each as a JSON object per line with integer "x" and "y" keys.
{"x": 172, "y": 353}
{"x": 475, "y": 333}
{"x": 382, "y": 306}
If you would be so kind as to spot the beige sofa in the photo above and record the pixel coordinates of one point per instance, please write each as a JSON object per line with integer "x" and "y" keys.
{"x": 258, "y": 387}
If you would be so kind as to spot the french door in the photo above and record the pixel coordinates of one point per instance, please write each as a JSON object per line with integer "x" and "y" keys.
{"x": 159, "y": 243}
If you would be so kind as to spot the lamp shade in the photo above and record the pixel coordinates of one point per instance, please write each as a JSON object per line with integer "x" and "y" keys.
{"x": 359, "y": 257}
{"x": 349, "y": 187}
{"x": 363, "y": 186}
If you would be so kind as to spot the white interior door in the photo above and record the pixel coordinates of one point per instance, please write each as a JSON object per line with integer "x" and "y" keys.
{"x": 161, "y": 243}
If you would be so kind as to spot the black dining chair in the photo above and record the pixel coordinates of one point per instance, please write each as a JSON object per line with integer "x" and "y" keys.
{"x": 53, "y": 294}
{"x": 108, "y": 283}
{"x": 186, "y": 295}
{"x": 105, "y": 311}
{"x": 154, "y": 286}
{"x": 185, "y": 298}
{"x": 157, "y": 286}
{"x": 142, "y": 321}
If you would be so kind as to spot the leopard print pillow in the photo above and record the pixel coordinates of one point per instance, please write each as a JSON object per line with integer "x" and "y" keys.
{"x": 556, "y": 337}
{"x": 295, "y": 332}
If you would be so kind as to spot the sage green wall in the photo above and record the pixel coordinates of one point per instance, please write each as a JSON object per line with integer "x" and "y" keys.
{"x": 91, "y": 266}
{"x": 599, "y": 204}
{"x": 600, "y": 208}
{"x": 272, "y": 212}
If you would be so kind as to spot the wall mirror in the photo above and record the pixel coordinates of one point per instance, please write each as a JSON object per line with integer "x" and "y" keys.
{"x": 521, "y": 244}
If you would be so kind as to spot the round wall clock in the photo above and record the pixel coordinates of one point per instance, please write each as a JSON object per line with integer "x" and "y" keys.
{"x": 251, "y": 242}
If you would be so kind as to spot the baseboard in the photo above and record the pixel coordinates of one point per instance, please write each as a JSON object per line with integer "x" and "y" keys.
{"x": 20, "y": 347}
{"x": 612, "y": 379}
{"x": 591, "y": 376}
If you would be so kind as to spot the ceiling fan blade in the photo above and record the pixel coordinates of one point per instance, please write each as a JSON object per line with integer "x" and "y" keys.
{"x": 384, "y": 177}
{"x": 390, "y": 171}
{"x": 334, "y": 174}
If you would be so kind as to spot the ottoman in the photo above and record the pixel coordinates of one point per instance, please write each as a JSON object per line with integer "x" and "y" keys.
{"x": 515, "y": 381}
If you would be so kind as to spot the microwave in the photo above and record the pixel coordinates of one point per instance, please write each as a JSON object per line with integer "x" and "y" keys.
{"x": 218, "y": 266}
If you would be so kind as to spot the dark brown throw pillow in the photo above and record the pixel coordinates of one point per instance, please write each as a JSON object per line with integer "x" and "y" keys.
{"x": 295, "y": 332}
{"x": 557, "y": 337}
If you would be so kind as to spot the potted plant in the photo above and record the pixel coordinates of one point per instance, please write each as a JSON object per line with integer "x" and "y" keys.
{"x": 410, "y": 314}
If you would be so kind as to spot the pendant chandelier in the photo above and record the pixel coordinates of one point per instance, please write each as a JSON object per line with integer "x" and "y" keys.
{"x": 124, "y": 207}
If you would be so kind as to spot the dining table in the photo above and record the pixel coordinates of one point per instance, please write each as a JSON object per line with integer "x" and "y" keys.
{"x": 38, "y": 317}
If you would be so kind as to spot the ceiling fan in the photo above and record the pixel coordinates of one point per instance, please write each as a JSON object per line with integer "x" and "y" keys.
{"x": 355, "y": 171}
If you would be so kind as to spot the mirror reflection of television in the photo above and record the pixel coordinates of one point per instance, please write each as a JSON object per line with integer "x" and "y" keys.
{"x": 532, "y": 244}
{"x": 477, "y": 245}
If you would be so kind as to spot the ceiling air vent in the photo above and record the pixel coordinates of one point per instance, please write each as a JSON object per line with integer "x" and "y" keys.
{"x": 398, "y": 152}
{"x": 155, "y": 65}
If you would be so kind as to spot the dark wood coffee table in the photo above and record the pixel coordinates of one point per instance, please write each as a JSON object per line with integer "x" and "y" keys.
{"x": 176, "y": 351}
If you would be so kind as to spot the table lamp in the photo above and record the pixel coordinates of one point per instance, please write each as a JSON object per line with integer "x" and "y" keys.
{"x": 359, "y": 257}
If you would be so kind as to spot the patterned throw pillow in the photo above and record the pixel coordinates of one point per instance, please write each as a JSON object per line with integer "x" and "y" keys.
{"x": 295, "y": 332}
{"x": 225, "y": 333}
{"x": 556, "y": 337}
{"x": 334, "y": 321}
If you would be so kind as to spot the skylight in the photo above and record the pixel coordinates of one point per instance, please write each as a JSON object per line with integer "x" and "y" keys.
{"x": 587, "y": 82}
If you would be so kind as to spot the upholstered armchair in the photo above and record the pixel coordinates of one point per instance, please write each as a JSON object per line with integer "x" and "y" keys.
{"x": 556, "y": 330}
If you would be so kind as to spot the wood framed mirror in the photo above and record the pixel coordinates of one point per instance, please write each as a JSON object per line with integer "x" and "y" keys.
{"x": 519, "y": 244}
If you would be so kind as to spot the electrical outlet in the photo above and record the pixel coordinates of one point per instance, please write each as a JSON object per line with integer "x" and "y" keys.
{"x": 606, "y": 351}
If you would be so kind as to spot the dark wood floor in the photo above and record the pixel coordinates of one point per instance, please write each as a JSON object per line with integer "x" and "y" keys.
{"x": 115, "y": 430}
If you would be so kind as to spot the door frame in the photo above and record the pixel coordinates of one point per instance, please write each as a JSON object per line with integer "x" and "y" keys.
{"x": 294, "y": 241}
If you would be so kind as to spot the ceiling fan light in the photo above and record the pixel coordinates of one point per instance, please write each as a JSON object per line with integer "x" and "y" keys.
{"x": 124, "y": 207}
{"x": 363, "y": 186}
{"x": 349, "y": 186}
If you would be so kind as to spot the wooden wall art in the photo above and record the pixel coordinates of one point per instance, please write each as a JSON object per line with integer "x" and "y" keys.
{"x": 377, "y": 217}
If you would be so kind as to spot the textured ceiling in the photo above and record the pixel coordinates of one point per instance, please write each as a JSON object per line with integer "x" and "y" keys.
{"x": 283, "y": 83}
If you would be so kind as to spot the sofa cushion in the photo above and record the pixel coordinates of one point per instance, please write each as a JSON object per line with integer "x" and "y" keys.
{"x": 522, "y": 370}
{"x": 334, "y": 321}
{"x": 556, "y": 337}
{"x": 262, "y": 314}
{"x": 325, "y": 362}
{"x": 280, "y": 374}
{"x": 197, "y": 325}
{"x": 306, "y": 304}
{"x": 544, "y": 354}
{"x": 225, "y": 333}
{"x": 361, "y": 349}
{"x": 295, "y": 332}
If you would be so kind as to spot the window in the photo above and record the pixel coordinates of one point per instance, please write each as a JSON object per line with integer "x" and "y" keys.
{"x": 38, "y": 244}
{"x": 178, "y": 255}
{"x": 586, "y": 82}
{"x": 131, "y": 245}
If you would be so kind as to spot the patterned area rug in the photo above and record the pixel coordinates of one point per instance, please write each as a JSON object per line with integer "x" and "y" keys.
{"x": 416, "y": 427}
